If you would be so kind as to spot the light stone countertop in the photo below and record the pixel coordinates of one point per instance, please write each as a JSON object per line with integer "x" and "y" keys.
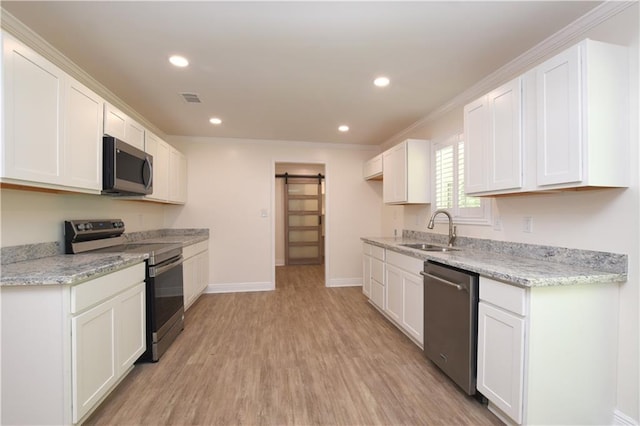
{"x": 185, "y": 240}
{"x": 66, "y": 269}
{"x": 517, "y": 270}
{"x": 43, "y": 264}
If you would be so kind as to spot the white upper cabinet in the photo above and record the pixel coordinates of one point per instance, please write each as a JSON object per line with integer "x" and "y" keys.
{"x": 177, "y": 177}
{"x": 560, "y": 125}
{"x": 406, "y": 173}
{"x": 33, "y": 100}
{"x": 372, "y": 169}
{"x": 169, "y": 171}
{"x": 52, "y": 124}
{"x": 83, "y": 137}
{"x": 121, "y": 126}
{"x": 493, "y": 140}
{"x": 581, "y": 128}
{"x": 160, "y": 150}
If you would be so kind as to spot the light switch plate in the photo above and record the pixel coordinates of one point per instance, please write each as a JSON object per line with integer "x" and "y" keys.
{"x": 527, "y": 224}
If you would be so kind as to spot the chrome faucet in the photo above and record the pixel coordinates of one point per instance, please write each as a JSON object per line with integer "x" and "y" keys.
{"x": 452, "y": 229}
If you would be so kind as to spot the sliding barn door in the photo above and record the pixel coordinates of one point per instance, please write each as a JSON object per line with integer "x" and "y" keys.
{"x": 303, "y": 221}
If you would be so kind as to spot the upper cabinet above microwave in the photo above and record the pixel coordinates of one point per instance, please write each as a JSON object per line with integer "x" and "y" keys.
{"x": 561, "y": 125}
{"x": 121, "y": 126}
{"x": 52, "y": 135}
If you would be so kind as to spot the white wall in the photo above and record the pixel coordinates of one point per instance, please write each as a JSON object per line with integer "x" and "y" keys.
{"x": 28, "y": 217}
{"x": 606, "y": 220}
{"x": 232, "y": 180}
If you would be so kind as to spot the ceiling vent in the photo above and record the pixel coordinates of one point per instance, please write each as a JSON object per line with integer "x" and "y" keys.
{"x": 191, "y": 98}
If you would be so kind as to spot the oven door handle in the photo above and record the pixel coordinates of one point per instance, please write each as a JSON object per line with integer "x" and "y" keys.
{"x": 449, "y": 283}
{"x": 154, "y": 271}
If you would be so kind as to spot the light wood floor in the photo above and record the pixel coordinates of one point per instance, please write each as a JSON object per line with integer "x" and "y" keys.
{"x": 301, "y": 355}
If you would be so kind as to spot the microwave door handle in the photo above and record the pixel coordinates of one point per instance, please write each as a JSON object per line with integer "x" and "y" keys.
{"x": 147, "y": 165}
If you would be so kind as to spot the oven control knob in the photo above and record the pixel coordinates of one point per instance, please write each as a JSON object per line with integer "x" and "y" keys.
{"x": 88, "y": 226}
{"x": 80, "y": 227}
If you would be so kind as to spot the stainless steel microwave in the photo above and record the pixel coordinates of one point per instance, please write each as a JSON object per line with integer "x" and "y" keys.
{"x": 126, "y": 170}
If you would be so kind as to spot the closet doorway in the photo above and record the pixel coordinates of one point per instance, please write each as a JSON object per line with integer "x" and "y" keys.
{"x": 300, "y": 214}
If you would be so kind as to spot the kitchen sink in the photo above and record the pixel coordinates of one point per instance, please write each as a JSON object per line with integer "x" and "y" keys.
{"x": 429, "y": 247}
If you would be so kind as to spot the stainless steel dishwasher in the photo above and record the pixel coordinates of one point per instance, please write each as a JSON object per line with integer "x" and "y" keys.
{"x": 451, "y": 322}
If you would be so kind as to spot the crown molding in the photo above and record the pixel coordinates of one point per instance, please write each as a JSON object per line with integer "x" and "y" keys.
{"x": 522, "y": 63}
{"x": 26, "y": 35}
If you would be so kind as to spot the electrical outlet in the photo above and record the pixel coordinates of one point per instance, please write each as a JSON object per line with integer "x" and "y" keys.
{"x": 527, "y": 224}
{"x": 497, "y": 224}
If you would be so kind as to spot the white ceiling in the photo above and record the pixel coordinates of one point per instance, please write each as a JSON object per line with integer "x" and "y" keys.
{"x": 293, "y": 70}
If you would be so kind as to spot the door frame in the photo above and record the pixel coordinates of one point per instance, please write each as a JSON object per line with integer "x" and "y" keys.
{"x": 327, "y": 207}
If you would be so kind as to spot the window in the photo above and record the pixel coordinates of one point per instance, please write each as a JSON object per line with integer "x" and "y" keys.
{"x": 448, "y": 158}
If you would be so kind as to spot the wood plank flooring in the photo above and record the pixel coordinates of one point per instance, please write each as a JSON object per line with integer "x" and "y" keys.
{"x": 301, "y": 355}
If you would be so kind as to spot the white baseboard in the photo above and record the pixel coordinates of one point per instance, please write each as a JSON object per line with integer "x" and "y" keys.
{"x": 239, "y": 287}
{"x": 345, "y": 282}
{"x": 621, "y": 419}
{"x": 267, "y": 286}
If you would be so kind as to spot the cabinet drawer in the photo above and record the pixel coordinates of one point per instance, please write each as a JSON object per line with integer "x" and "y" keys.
{"x": 193, "y": 249}
{"x": 408, "y": 263}
{"x": 92, "y": 292}
{"x": 377, "y": 252}
{"x": 503, "y": 295}
{"x": 377, "y": 270}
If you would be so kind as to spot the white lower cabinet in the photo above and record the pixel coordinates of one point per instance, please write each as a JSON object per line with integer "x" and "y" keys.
{"x": 94, "y": 356}
{"x": 195, "y": 271}
{"x": 394, "y": 285}
{"x": 405, "y": 290}
{"x": 65, "y": 348}
{"x": 366, "y": 270}
{"x": 501, "y": 358}
{"x": 373, "y": 284}
{"x": 547, "y": 355}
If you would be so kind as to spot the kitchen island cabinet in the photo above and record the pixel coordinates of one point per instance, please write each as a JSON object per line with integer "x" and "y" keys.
{"x": 65, "y": 347}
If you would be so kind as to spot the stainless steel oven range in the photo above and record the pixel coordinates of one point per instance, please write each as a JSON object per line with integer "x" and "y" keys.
{"x": 164, "y": 287}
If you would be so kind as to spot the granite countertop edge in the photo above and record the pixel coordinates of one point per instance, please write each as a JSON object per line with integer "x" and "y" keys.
{"x": 66, "y": 269}
{"x": 43, "y": 264}
{"x": 514, "y": 270}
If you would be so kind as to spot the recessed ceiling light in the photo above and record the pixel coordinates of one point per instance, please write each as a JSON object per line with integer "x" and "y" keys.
{"x": 179, "y": 61}
{"x": 215, "y": 121}
{"x": 343, "y": 128}
{"x": 381, "y": 81}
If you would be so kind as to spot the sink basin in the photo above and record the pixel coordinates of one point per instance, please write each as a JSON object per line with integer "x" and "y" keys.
{"x": 429, "y": 247}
